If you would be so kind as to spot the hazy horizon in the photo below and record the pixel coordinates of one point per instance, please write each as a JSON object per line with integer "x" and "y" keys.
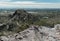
{"x": 29, "y": 3}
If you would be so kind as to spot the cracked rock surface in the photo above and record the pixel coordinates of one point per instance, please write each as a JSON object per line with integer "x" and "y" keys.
{"x": 35, "y": 33}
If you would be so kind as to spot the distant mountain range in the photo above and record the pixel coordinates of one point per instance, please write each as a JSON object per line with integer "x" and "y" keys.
{"x": 31, "y": 9}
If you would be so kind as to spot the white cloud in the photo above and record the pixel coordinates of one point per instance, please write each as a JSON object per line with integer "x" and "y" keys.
{"x": 28, "y": 4}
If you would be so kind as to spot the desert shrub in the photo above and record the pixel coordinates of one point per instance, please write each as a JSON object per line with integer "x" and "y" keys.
{"x": 22, "y": 27}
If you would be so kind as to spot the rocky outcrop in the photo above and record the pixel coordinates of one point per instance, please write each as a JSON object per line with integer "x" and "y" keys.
{"x": 35, "y": 33}
{"x": 23, "y": 16}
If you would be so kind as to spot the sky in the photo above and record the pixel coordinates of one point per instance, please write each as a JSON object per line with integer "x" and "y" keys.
{"x": 29, "y": 3}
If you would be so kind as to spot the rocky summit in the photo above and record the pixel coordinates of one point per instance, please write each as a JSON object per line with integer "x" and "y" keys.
{"x": 23, "y": 16}
{"x": 35, "y": 33}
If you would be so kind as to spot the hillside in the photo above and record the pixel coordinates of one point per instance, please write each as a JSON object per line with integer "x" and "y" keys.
{"x": 18, "y": 21}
